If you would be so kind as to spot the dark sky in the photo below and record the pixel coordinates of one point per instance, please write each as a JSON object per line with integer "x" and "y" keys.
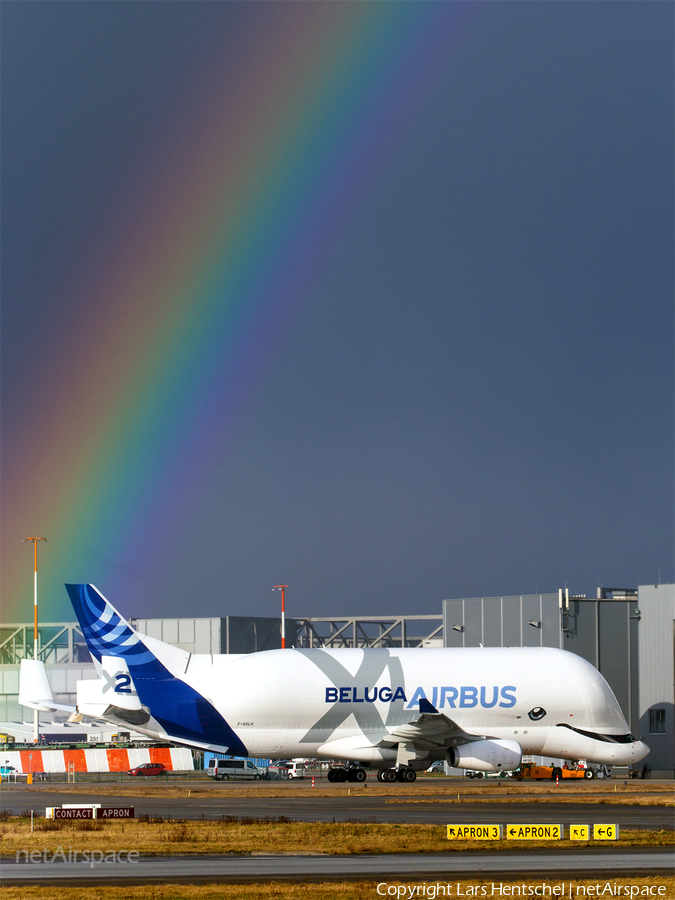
{"x": 471, "y": 392}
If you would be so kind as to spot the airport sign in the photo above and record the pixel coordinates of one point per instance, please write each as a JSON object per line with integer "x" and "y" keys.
{"x": 474, "y": 832}
{"x": 534, "y": 832}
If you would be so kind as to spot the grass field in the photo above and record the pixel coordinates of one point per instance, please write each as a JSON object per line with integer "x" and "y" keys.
{"x": 356, "y": 890}
{"x": 243, "y": 835}
{"x": 642, "y": 793}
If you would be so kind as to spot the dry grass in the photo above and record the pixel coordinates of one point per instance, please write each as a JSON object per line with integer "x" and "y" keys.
{"x": 642, "y": 793}
{"x": 246, "y": 835}
{"x": 355, "y": 890}
{"x": 608, "y": 800}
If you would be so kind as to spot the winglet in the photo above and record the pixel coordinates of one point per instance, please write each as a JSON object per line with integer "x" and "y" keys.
{"x": 426, "y": 707}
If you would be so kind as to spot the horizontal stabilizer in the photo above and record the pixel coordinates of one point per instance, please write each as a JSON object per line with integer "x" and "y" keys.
{"x": 35, "y": 691}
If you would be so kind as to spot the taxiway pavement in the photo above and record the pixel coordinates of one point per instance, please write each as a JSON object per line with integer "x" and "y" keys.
{"x": 386, "y": 867}
{"x": 16, "y": 799}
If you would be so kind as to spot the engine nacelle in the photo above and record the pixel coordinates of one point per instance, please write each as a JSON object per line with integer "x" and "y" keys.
{"x": 486, "y": 756}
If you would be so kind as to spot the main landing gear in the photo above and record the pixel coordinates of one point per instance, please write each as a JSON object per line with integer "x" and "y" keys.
{"x": 402, "y": 773}
{"x": 342, "y": 773}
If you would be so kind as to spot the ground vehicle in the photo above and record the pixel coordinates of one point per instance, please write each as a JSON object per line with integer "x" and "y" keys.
{"x": 293, "y": 768}
{"x": 438, "y": 766}
{"x": 224, "y": 769}
{"x": 539, "y": 773}
{"x": 149, "y": 769}
{"x": 471, "y": 773}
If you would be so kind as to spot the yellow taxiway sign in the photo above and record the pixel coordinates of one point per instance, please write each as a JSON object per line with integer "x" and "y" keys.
{"x": 534, "y": 832}
{"x": 474, "y": 832}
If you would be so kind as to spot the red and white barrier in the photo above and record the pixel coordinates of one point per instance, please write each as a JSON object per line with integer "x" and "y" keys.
{"x": 96, "y": 759}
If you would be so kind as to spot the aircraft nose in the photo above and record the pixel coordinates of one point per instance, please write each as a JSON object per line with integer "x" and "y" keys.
{"x": 640, "y": 750}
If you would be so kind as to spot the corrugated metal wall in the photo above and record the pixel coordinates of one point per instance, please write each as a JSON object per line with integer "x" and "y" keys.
{"x": 192, "y": 635}
{"x": 502, "y": 621}
{"x": 657, "y": 672}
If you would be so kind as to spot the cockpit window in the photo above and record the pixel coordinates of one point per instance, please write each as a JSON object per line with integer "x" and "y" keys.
{"x": 608, "y": 738}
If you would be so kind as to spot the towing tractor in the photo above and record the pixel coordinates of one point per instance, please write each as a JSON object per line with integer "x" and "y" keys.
{"x": 541, "y": 773}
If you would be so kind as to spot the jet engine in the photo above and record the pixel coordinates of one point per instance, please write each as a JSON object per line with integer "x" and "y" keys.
{"x": 486, "y": 756}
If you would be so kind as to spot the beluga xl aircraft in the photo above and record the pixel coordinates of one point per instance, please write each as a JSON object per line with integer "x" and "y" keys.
{"x": 390, "y": 709}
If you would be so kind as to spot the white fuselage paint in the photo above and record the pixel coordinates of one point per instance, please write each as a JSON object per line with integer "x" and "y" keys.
{"x": 290, "y": 702}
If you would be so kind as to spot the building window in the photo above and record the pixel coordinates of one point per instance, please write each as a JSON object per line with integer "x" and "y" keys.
{"x": 657, "y": 721}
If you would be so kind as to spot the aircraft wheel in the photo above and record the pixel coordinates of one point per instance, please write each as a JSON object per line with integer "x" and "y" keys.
{"x": 389, "y": 775}
{"x": 589, "y": 773}
{"x": 400, "y": 774}
{"x": 360, "y": 775}
{"x": 409, "y": 774}
{"x": 556, "y": 773}
{"x": 340, "y": 774}
{"x": 380, "y": 775}
{"x": 331, "y": 775}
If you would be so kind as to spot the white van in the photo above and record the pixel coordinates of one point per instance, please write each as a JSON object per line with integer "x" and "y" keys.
{"x": 234, "y": 768}
{"x": 289, "y": 768}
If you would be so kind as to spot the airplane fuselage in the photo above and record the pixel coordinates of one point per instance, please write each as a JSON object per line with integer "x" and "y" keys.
{"x": 344, "y": 703}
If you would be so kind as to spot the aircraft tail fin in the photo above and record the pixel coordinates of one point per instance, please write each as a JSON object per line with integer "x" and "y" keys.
{"x": 104, "y": 629}
{"x": 136, "y": 684}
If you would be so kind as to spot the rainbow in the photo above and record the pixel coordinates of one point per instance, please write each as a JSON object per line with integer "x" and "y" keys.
{"x": 177, "y": 319}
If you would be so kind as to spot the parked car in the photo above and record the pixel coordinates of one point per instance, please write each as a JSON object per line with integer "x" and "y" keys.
{"x": 438, "y": 766}
{"x": 223, "y": 769}
{"x": 295, "y": 768}
{"x": 149, "y": 769}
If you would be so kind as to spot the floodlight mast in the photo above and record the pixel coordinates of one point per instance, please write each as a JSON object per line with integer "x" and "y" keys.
{"x": 282, "y": 588}
{"x": 36, "y": 714}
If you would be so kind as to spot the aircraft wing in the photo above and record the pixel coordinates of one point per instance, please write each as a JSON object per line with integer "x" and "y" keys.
{"x": 431, "y": 730}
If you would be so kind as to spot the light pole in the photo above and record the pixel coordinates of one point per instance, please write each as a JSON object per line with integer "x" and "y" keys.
{"x": 282, "y": 588}
{"x": 36, "y": 714}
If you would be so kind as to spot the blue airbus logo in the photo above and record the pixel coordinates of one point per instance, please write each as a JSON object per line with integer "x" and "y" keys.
{"x": 467, "y": 696}
{"x": 464, "y": 696}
